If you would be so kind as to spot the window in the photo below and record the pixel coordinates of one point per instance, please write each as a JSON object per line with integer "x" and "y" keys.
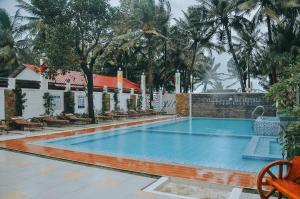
{"x": 56, "y": 102}
{"x": 81, "y": 103}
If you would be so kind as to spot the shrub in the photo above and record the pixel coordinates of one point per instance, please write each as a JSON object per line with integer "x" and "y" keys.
{"x": 69, "y": 102}
{"x": 20, "y": 100}
{"x": 48, "y": 104}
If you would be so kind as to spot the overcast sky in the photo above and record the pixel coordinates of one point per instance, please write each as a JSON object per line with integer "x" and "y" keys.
{"x": 177, "y": 7}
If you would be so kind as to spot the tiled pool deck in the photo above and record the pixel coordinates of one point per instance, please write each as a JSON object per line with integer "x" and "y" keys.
{"x": 30, "y": 177}
{"x": 239, "y": 179}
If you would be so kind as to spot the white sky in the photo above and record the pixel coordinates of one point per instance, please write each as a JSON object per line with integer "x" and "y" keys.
{"x": 177, "y": 7}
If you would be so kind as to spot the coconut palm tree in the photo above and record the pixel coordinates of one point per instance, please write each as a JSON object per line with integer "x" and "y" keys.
{"x": 222, "y": 13}
{"x": 147, "y": 16}
{"x": 248, "y": 44}
{"x": 210, "y": 75}
{"x": 268, "y": 12}
{"x": 13, "y": 48}
{"x": 200, "y": 31}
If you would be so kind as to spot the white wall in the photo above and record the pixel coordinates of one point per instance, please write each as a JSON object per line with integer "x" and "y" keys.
{"x": 2, "y": 104}
{"x": 112, "y": 101}
{"x": 28, "y": 74}
{"x": 77, "y": 109}
{"x": 60, "y": 107}
{"x": 98, "y": 101}
{"x": 124, "y": 101}
{"x": 34, "y": 103}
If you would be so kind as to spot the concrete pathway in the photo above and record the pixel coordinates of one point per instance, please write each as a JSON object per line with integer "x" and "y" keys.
{"x": 29, "y": 177}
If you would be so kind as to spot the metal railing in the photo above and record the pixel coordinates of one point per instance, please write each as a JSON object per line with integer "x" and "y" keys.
{"x": 256, "y": 108}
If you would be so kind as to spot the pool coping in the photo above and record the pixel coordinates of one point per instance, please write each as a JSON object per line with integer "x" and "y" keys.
{"x": 225, "y": 177}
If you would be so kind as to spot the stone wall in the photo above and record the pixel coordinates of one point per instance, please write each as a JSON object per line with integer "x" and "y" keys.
{"x": 133, "y": 102}
{"x": 106, "y": 102}
{"x": 10, "y": 104}
{"x": 230, "y": 105}
{"x": 182, "y": 104}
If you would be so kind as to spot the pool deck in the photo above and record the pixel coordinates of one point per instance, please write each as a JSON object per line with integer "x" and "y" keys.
{"x": 224, "y": 177}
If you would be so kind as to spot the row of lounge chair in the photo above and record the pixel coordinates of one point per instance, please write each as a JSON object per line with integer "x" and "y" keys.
{"x": 129, "y": 114}
{"x": 38, "y": 122}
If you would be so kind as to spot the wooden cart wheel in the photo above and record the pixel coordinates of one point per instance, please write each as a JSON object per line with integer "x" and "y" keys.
{"x": 267, "y": 174}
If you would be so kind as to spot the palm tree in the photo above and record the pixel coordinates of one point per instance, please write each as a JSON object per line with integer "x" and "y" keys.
{"x": 13, "y": 48}
{"x": 268, "y": 11}
{"x": 147, "y": 15}
{"x": 221, "y": 12}
{"x": 248, "y": 42}
{"x": 210, "y": 75}
{"x": 200, "y": 31}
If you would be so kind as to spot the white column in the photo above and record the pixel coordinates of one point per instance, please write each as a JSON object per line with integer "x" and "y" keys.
{"x": 160, "y": 99}
{"x": 68, "y": 86}
{"x": 11, "y": 83}
{"x": 143, "y": 89}
{"x": 132, "y": 91}
{"x": 120, "y": 86}
{"x": 43, "y": 83}
{"x": 177, "y": 82}
{"x": 105, "y": 89}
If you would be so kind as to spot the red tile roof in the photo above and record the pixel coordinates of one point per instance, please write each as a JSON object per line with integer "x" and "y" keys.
{"x": 77, "y": 79}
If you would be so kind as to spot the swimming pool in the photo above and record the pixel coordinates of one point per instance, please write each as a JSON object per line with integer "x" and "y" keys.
{"x": 200, "y": 142}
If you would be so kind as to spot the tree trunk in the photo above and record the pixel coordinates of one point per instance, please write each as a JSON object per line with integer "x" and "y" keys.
{"x": 270, "y": 42}
{"x": 150, "y": 71}
{"x": 235, "y": 58}
{"x": 248, "y": 75}
{"x": 90, "y": 86}
{"x": 192, "y": 65}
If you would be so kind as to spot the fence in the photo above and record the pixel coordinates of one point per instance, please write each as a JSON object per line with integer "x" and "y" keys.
{"x": 34, "y": 105}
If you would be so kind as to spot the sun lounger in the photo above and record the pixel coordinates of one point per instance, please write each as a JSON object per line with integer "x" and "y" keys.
{"x": 104, "y": 117}
{"x": 133, "y": 113}
{"x": 50, "y": 120}
{"x": 21, "y": 122}
{"x": 114, "y": 115}
{"x": 73, "y": 118}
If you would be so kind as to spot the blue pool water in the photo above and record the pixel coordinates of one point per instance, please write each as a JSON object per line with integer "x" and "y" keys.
{"x": 217, "y": 143}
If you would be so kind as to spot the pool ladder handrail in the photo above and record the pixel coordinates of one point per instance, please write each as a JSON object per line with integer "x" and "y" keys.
{"x": 256, "y": 108}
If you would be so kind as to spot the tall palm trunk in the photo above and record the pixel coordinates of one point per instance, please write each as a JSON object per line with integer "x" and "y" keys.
{"x": 273, "y": 75}
{"x": 192, "y": 64}
{"x": 150, "y": 70}
{"x": 228, "y": 33}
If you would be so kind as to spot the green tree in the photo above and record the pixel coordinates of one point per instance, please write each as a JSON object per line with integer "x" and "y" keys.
{"x": 210, "y": 75}
{"x": 76, "y": 35}
{"x": 13, "y": 48}
{"x": 269, "y": 12}
{"x": 222, "y": 13}
{"x": 200, "y": 30}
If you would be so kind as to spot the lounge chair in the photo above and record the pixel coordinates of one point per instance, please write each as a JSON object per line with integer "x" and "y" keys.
{"x": 286, "y": 182}
{"x": 148, "y": 112}
{"x": 21, "y": 122}
{"x": 114, "y": 115}
{"x": 104, "y": 117}
{"x": 73, "y": 119}
{"x": 134, "y": 114}
{"x": 122, "y": 114}
{"x": 50, "y": 120}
